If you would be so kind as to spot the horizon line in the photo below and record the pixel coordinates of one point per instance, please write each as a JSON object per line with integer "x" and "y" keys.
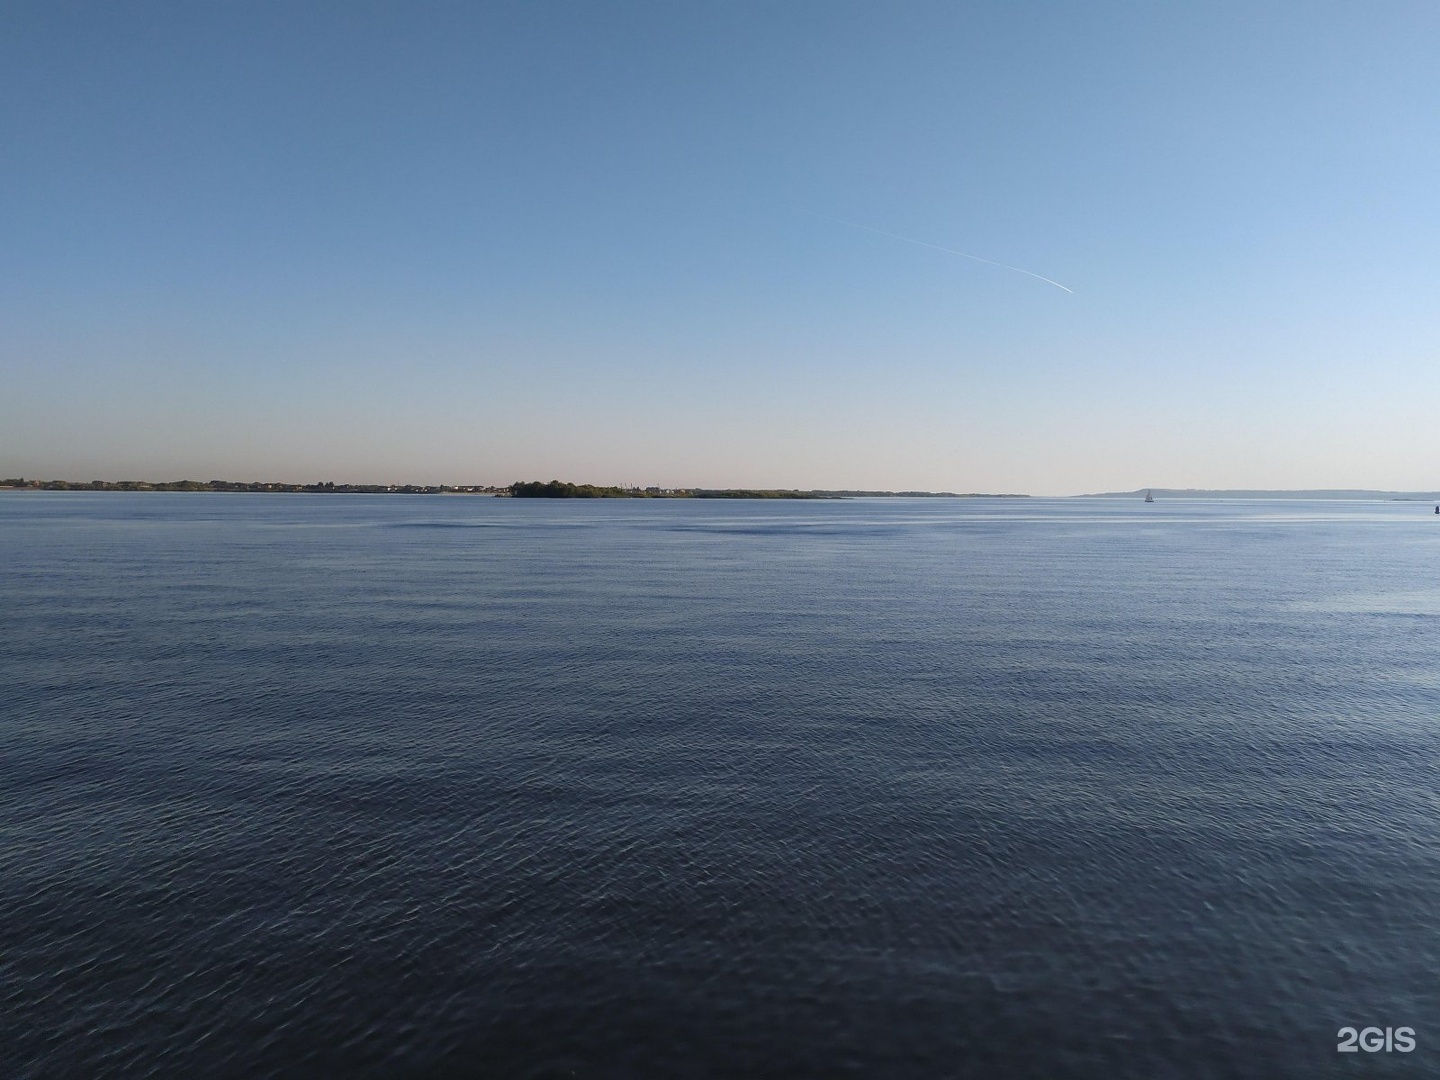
{"x": 326, "y": 486}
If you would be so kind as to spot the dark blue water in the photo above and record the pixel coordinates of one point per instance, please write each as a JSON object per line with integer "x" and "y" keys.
{"x": 426, "y": 787}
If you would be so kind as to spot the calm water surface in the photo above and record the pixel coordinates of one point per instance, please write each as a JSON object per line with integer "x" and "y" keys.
{"x": 299, "y": 786}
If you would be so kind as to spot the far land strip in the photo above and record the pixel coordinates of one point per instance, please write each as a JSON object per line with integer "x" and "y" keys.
{"x": 533, "y": 489}
{"x": 1242, "y": 493}
{"x": 558, "y": 489}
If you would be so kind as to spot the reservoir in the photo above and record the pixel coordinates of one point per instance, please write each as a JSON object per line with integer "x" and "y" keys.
{"x": 373, "y": 786}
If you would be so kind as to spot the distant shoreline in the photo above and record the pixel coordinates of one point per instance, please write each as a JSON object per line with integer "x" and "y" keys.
{"x": 1244, "y": 493}
{"x": 555, "y": 489}
{"x": 325, "y": 488}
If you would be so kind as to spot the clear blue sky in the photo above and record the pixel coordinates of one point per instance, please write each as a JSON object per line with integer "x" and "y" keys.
{"x": 476, "y": 242}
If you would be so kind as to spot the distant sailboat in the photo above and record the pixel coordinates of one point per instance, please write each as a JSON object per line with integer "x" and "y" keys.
{"x": 1151, "y": 498}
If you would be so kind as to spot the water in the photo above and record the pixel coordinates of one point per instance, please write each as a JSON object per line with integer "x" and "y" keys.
{"x": 443, "y": 786}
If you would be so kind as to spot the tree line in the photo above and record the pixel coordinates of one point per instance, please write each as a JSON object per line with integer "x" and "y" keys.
{"x": 559, "y": 489}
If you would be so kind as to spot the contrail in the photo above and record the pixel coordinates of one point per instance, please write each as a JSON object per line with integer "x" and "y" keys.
{"x": 952, "y": 251}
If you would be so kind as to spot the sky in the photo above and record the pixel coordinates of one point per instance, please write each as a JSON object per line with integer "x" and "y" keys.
{"x": 717, "y": 244}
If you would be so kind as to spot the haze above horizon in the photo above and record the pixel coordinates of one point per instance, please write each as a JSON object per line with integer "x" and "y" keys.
{"x": 735, "y": 246}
